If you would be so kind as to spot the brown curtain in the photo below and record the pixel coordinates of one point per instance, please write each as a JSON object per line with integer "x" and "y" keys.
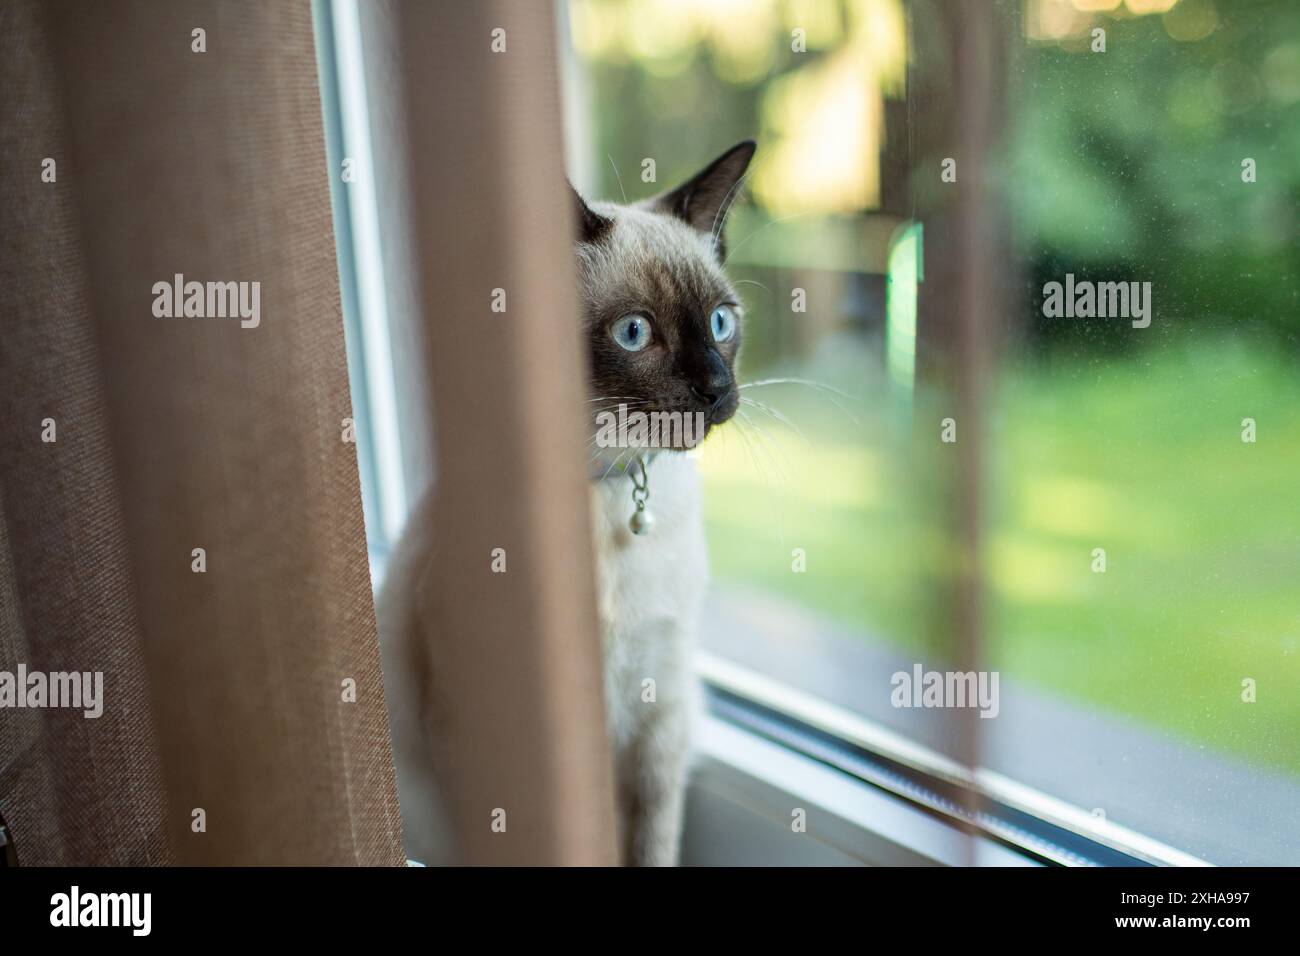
{"x": 224, "y": 691}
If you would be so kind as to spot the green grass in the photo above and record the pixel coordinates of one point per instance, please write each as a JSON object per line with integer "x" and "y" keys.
{"x": 1141, "y": 456}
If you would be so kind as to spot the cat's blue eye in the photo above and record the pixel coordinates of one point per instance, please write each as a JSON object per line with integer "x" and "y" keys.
{"x": 632, "y": 332}
{"x": 723, "y": 323}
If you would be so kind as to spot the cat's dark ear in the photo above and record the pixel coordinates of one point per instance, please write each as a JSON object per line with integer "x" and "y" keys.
{"x": 704, "y": 200}
{"x": 591, "y": 226}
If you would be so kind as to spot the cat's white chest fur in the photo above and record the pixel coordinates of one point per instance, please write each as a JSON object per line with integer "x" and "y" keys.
{"x": 650, "y": 591}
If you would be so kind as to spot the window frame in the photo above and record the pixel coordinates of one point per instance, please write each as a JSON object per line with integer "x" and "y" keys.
{"x": 876, "y": 796}
{"x": 987, "y": 806}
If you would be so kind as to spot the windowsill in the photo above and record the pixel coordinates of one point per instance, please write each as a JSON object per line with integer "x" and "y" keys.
{"x": 872, "y": 757}
{"x": 744, "y": 793}
{"x": 1043, "y": 744}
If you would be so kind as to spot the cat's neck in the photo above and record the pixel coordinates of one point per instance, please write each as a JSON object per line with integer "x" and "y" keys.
{"x": 616, "y": 462}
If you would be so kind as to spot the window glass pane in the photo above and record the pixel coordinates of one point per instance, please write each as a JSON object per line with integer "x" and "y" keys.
{"x": 1144, "y": 548}
{"x": 1134, "y": 492}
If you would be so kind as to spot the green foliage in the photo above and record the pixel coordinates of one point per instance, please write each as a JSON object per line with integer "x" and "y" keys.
{"x": 1140, "y": 456}
{"x": 1131, "y": 160}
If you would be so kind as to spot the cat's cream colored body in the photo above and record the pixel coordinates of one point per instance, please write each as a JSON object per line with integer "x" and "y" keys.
{"x": 660, "y": 261}
{"x": 649, "y": 593}
{"x": 650, "y": 590}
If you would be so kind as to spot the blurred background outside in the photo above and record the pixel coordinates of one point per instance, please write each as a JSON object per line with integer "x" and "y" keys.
{"x": 1115, "y": 166}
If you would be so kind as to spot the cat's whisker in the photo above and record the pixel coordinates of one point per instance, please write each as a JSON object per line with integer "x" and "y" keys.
{"x": 752, "y": 447}
{"x": 595, "y": 437}
{"x": 747, "y": 443}
{"x": 753, "y": 282}
{"x": 612, "y": 405}
{"x": 618, "y": 177}
{"x": 827, "y": 391}
{"x": 822, "y": 386}
{"x": 769, "y": 443}
{"x": 750, "y": 424}
{"x": 614, "y": 409}
{"x": 746, "y": 434}
{"x": 728, "y": 200}
{"x": 615, "y": 402}
{"x": 615, "y": 463}
{"x": 776, "y": 415}
{"x": 720, "y": 217}
{"x": 732, "y": 251}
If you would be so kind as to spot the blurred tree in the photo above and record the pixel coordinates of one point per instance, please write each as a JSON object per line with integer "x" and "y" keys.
{"x": 1129, "y": 163}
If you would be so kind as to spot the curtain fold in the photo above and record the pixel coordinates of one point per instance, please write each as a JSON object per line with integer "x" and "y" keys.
{"x": 516, "y": 655}
{"x": 195, "y": 530}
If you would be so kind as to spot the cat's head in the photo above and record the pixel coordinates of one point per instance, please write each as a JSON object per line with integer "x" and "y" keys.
{"x": 662, "y": 321}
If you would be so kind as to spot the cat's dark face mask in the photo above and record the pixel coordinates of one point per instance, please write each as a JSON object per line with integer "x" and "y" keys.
{"x": 663, "y": 322}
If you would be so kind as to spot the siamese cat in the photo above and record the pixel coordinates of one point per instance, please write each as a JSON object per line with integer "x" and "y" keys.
{"x": 662, "y": 325}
